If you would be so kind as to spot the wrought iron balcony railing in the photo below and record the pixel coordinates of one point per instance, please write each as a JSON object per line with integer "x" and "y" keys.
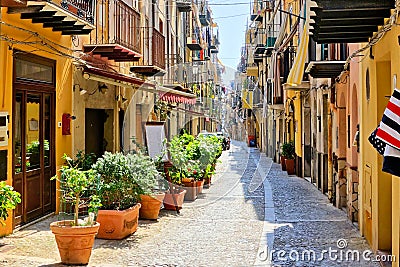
{"x": 84, "y": 9}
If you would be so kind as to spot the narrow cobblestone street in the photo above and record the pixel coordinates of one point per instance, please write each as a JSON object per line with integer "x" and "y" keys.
{"x": 228, "y": 225}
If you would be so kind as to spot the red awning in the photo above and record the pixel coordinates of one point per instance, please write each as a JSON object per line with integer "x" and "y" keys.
{"x": 175, "y": 98}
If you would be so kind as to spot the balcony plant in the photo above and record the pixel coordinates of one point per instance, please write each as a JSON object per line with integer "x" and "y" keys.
{"x": 288, "y": 151}
{"x": 9, "y": 199}
{"x": 119, "y": 193}
{"x": 75, "y": 237}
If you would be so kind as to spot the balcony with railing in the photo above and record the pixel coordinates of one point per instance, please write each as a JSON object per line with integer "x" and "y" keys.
{"x": 259, "y": 44}
{"x": 158, "y": 50}
{"x": 122, "y": 42}
{"x": 184, "y": 5}
{"x": 214, "y": 44}
{"x": 157, "y": 54}
{"x": 205, "y": 17}
{"x": 193, "y": 41}
{"x": 70, "y": 17}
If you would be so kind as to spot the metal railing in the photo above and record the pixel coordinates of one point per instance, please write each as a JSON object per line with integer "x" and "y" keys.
{"x": 82, "y": 8}
{"x": 158, "y": 49}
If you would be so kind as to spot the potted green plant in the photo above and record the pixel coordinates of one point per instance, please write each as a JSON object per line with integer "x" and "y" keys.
{"x": 288, "y": 151}
{"x": 210, "y": 151}
{"x": 75, "y": 237}
{"x": 82, "y": 161}
{"x": 9, "y": 199}
{"x": 119, "y": 193}
{"x": 176, "y": 172}
{"x": 150, "y": 186}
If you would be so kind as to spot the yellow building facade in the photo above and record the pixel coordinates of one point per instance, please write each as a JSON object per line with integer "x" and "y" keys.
{"x": 379, "y": 191}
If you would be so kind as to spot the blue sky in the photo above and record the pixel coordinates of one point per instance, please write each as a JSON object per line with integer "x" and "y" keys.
{"x": 232, "y": 29}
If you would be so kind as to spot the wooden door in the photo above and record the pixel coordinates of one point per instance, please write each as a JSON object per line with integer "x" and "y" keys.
{"x": 33, "y": 147}
{"x": 94, "y": 131}
{"x": 368, "y": 204}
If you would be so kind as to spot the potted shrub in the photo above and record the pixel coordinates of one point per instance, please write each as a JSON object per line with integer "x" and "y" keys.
{"x": 288, "y": 152}
{"x": 176, "y": 172}
{"x": 83, "y": 162}
{"x": 9, "y": 200}
{"x": 191, "y": 166}
{"x": 151, "y": 187}
{"x": 75, "y": 237}
{"x": 119, "y": 193}
{"x": 210, "y": 150}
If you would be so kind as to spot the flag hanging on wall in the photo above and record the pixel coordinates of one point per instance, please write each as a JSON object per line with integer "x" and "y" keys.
{"x": 389, "y": 132}
{"x": 389, "y": 128}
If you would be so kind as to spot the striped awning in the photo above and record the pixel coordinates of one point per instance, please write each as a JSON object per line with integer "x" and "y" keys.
{"x": 296, "y": 73}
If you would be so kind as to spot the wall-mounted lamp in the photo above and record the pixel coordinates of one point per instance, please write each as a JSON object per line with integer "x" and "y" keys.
{"x": 103, "y": 88}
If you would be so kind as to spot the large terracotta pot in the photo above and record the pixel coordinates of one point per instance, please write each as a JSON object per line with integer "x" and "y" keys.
{"x": 118, "y": 224}
{"x": 169, "y": 203}
{"x": 289, "y": 166}
{"x": 74, "y": 242}
{"x": 199, "y": 186}
{"x": 151, "y": 206}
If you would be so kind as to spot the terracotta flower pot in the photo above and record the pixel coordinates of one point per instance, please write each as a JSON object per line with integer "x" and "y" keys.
{"x": 191, "y": 190}
{"x": 199, "y": 186}
{"x": 74, "y": 242}
{"x": 151, "y": 206}
{"x": 118, "y": 224}
{"x": 289, "y": 166}
{"x": 169, "y": 203}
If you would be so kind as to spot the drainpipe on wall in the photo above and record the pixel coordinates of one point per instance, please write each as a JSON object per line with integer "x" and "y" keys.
{"x": 330, "y": 162}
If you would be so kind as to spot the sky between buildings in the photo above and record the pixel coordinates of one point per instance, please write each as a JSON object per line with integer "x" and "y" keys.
{"x": 231, "y": 17}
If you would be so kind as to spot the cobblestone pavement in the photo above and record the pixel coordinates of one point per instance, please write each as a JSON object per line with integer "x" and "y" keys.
{"x": 306, "y": 221}
{"x": 226, "y": 226}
